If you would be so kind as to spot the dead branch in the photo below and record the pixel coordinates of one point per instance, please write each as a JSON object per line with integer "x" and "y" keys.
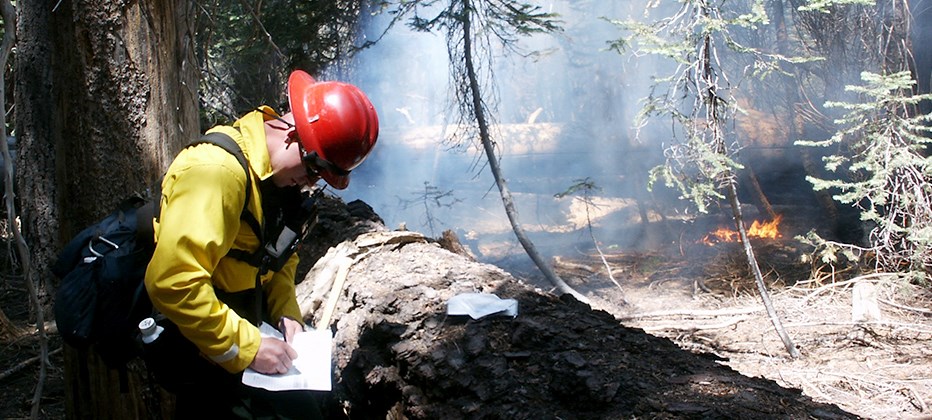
{"x": 693, "y": 327}
{"x": 24, "y": 364}
{"x": 699, "y": 313}
{"x": 899, "y": 325}
{"x": 905, "y": 308}
{"x": 755, "y": 183}
{"x": 855, "y": 388}
{"x": 867, "y": 277}
{"x": 563, "y": 263}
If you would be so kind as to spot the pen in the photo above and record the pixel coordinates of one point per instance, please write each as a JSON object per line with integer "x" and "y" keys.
{"x": 281, "y": 327}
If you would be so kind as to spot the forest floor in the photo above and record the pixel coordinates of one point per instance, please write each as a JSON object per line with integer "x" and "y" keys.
{"x": 880, "y": 369}
{"x": 704, "y": 299}
{"x": 877, "y": 370}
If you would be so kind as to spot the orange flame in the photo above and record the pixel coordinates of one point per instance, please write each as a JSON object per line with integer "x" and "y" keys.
{"x": 768, "y": 230}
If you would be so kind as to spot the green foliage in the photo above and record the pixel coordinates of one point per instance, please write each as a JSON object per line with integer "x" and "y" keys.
{"x": 697, "y": 94}
{"x": 885, "y": 171}
{"x": 506, "y": 19}
{"x": 247, "y": 49}
{"x": 585, "y": 186}
{"x": 827, "y": 252}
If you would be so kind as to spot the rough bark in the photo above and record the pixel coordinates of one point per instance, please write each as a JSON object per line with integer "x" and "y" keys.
{"x": 9, "y": 22}
{"x": 105, "y": 95}
{"x": 36, "y": 133}
{"x": 7, "y": 328}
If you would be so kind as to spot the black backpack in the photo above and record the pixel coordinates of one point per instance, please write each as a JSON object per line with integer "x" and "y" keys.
{"x": 102, "y": 296}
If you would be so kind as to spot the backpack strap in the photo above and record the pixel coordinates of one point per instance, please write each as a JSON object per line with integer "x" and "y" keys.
{"x": 151, "y": 209}
{"x": 225, "y": 142}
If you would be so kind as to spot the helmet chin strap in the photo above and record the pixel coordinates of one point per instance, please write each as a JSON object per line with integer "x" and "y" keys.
{"x": 282, "y": 120}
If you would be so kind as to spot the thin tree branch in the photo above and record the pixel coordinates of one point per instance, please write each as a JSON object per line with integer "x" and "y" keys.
{"x": 24, "y": 364}
{"x": 268, "y": 36}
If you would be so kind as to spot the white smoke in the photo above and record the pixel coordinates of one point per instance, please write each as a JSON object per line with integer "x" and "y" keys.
{"x": 564, "y": 114}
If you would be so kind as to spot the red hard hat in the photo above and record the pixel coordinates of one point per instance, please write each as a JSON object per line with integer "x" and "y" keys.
{"x": 335, "y": 120}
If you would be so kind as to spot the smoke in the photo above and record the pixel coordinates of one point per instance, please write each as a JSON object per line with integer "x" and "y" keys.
{"x": 564, "y": 113}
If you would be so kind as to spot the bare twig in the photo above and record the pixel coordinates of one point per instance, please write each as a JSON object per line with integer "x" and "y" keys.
{"x": 24, "y": 364}
{"x": 693, "y": 313}
{"x": 595, "y": 242}
{"x": 839, "y": 284}
{"x": 905, "y": 308}
{"x": 899, "y": 325}
{"x": 586, "y": 186}
{"x": 693, "y": 327}
{"x": 258, "y": 20}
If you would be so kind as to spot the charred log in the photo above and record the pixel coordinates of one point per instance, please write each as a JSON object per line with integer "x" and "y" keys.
{"x": 398, "y": 354}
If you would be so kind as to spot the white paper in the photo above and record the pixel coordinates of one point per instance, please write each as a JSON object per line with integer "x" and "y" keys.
{"x": 479, "y": 305}
{"x": 311, "y": 370}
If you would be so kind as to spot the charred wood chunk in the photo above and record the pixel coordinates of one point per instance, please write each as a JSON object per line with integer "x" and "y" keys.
{"x": 451, "y": 242}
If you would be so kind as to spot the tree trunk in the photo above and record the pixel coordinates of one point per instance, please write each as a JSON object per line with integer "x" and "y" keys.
{"x": 7, "y": 328}
{"x": 106, "y": 94}
{"x": 485, "y": 137}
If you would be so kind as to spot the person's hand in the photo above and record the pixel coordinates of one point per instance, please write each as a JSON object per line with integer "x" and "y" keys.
{"x": 274, "y": 356}
{"x": 289, "y": 327}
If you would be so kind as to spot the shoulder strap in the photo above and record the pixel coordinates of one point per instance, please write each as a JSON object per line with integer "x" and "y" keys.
{"x": 226, "y": 143}
{"x": 151, "y": 209}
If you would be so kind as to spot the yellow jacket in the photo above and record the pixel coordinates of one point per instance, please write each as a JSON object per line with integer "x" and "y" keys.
{"x": 202, "y": 200}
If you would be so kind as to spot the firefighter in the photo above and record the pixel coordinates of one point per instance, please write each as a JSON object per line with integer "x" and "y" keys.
{"x": 198, "y": 278}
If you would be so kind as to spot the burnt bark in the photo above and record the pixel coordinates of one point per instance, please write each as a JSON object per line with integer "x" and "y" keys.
{"x": 106, "y": 93}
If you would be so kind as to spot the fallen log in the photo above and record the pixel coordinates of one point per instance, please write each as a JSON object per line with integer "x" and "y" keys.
{"x": 397, "y": 353}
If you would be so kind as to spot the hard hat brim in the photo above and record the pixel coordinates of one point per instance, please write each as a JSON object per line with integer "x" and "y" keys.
{"x": 336, "y": 181}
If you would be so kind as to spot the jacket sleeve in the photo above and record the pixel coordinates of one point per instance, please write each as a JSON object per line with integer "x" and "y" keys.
{"x": 280, "y": 292}
{"x": 199, "y": 221}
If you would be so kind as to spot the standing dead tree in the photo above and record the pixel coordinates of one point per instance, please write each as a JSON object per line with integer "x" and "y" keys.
{"x": 701, "y": 165}
{"x": 471, "y": 28}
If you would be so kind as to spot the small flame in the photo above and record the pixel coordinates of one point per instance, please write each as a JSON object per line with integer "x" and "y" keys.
{"x": 768, "y": 230}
